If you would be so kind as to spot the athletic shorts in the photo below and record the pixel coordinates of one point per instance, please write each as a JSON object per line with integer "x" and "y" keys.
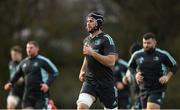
{"x": 157, "y": 98}
{"x": 18, "y": 91}
{"x": 106, "y": 95}
{"x": 35, "y": 100}
{"x": 124, "y": 103}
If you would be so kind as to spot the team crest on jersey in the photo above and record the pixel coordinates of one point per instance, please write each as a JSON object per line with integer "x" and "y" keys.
{"x": 156, "y": 58}
{"x": 116, "y": 68}
{"x": 159, "y": 100}
{"x": 97, "y": 42}
{"x": 10, "y": 67}
{"x": 35, "y": 64}
{"x": 24, "y": 65}
{"x": 141, "y": 60}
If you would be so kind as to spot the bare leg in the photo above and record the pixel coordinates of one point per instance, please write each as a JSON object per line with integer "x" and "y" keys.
{"x": 82, "y": 106}
{"x": 28, "y": 108}
{"x": 151, "y": 105}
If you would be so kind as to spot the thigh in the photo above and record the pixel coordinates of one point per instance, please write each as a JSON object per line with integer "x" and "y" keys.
{"x": 123, "y": 103}
{"x": 30, "y": 98}
{"x": 108, "y": 97}
{"x": 156, "y": 98}
{"x": 89, "y": 89}
{"x": 143, "y": 100}
{"x": 41, "y": 103}
{"x": 87, "y": 94}
{"x": 18, "y": 91}
{"x": 28, "y": 101}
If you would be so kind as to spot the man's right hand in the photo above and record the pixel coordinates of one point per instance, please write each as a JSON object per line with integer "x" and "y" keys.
{"x": 119, "y": 85}
{"x": 125, "y": 80}
{"x": 8, "y": 86}
{"x": 81, "y": 76}
{"x": 139, "y": 77}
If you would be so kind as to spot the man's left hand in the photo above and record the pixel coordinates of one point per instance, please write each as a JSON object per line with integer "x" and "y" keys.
{"x": 163, "y": 79}
{"x": 44, "y": 87}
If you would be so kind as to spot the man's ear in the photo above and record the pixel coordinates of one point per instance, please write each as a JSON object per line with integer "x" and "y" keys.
{"x": 38, "y": 49}
{"x": 155, "y": 42}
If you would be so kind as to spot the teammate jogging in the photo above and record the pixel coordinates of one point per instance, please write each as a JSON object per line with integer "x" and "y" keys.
{"x": 129, "y": 78}
{"x": 16, "y": 93}
{"x": 38, "y": 72}
{"x": 124, "y": 99}
{"x": 148, "y": 64}
{"x": 96, "y": 70}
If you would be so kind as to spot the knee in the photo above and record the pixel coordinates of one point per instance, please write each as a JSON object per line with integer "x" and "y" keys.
{"x": 84, "y": 101}
{"x": 11, "y": 106}
{"x": 151, "y": 105}
{"x": 82, "y": 106}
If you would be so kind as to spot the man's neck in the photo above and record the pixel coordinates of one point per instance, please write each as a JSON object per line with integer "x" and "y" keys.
{"x": 16, "y": 61}
{"x": 32, "y": 56}
{"x": 95, "y": 33}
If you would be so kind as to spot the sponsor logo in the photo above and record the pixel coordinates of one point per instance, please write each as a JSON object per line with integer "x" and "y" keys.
{"x": 10, "y": 67}
{"x": 159, "y": 100}
{"x": 35, "y": 64}
{"x": 141, "y": 60}
{"x": 97, "y": 42}
{"x": 156, "y": 58}
{"x": 24, "y": 65}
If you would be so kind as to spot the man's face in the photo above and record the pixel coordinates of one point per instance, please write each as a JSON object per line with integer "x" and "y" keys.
{"x": 15, "y": 56}
{"x": 31, "y": 50}
{"x": 149, "y": 44}
{"x": 90, "y": 23}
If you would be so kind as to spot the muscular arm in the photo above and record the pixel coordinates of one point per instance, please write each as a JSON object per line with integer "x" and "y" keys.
{"x": 83, "y": 70}
{"x": 84, "y": 65}
{"x": 164, "y": 79}
{"x": 171, "y": 64}
{"x": 108, "y": 60}
{"x": 17, "y": 75}
{"x": 169, "y": 75}
{"x": 51, "y": 69}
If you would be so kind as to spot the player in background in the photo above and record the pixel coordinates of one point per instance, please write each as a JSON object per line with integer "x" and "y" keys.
{"x": 148, "y": 66}
{"x": 124, "y": 99}
{"x": 39, "y": 73}
{"x": 16, "y": 93}
{"x": 129, "y": 78}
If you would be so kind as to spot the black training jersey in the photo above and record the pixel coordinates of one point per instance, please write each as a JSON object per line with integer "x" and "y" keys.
{"x": 151, "y": 65}
{"x": 36, "y": 70}
{"x": 17, "y": 89}
{"x": 98, "y": 73}
{"x": 119, "y": 70}
{"x": 12, "y": 68}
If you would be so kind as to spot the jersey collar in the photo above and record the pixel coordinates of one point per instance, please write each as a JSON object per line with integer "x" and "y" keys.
{"x": 96, "y": 35}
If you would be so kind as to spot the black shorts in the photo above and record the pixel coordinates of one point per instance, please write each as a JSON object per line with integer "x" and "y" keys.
{"x": 124, "y": 103}
{"x": 106, "y": 95}
{"x": 35, "y": 100}
{"x": 18, "y": 91}
{"x": 157, "y": 98}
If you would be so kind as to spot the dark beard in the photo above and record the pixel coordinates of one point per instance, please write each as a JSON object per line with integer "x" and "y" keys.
{"x": 94, "y": 29}
{"x": 150, "y": 50}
